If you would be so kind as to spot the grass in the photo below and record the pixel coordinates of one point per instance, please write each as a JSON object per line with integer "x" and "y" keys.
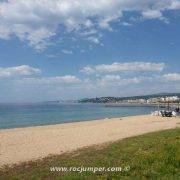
{"x": 151, "y": 156}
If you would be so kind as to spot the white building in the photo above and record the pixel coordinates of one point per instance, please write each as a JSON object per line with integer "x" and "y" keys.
{"x": 172, "y": 98}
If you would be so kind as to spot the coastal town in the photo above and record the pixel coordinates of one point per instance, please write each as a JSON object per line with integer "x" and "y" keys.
{"x": 170, "y": 99}
{"x": 147, "y": 99}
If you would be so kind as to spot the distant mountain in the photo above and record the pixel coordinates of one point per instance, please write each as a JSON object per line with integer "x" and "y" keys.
{"x": 119, "y": 99}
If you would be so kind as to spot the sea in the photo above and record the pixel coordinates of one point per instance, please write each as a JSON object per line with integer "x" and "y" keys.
{"x": 26, "y": 115}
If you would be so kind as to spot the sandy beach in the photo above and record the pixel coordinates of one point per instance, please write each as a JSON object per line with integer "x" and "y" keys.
{"x": 31, "y": 143}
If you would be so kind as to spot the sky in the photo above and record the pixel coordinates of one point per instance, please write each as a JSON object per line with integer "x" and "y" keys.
{"x": 73, "y": 49}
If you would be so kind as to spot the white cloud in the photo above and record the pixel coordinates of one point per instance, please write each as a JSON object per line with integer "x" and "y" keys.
{"x": 172, "y": 77}
{"x": 87, "y": 70}
{"x": 152, "y": 14}
{"x": 67, "y": 51}
{"x": 127, "y": 66}
{"x": 105, "y": 23}
{"x": 36, "y": 21}
{"x": 69, "y": 86}
{"x": 23, "y": 70}
{"x": 116, "y": 80}
{"x": 126, "y": 24}
{"x": 68, "y": 79}
{"x": 94, "y": 40}
{"x": 70, "y": 82}
{"x": 175, "y": 5}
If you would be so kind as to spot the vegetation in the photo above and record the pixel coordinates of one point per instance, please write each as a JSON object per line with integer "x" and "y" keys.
{"x": 150, "y": 156}
{"x": 120, "y": 99}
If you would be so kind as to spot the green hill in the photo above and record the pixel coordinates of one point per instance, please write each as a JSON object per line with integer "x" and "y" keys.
{"x": 119, "y": 99}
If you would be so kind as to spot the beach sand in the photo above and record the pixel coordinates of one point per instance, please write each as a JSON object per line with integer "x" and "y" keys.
{"x": 31, "y": 143}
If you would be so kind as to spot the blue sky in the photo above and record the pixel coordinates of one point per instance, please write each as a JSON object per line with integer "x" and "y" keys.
{"x": 64, "y": 49}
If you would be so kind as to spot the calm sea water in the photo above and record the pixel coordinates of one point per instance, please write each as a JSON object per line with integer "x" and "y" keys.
{"x": 12, "y": 116}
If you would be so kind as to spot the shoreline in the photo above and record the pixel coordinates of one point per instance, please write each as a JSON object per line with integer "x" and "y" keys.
{"x": 32, "y": 143}
{"x": 70, "y": 122}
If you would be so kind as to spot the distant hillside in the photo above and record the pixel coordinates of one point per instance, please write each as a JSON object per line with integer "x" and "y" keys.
{"x": 119, "y": 99}
{"x": 60, "y": 102}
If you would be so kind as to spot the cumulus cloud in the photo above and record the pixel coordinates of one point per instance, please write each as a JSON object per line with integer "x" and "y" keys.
{"x": 172, "y": 77}
{"x": 36, "y": 21}
{"x": 116, "y": 80}
{"x": 68, "y": 79}
{"x": 119, "y": 80}
{"x": 120, "y": 67}
{"x": 152, "y": 14}
{"x": 73, "y": 86}
{"x": 23, "y": 70}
